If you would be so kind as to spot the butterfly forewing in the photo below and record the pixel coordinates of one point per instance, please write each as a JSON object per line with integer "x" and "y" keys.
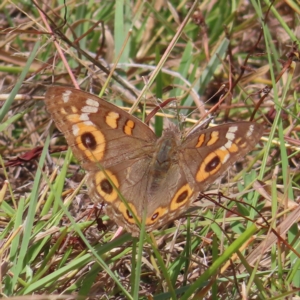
{"x": 207, "y": 154}
{"x": 97, "y": 131}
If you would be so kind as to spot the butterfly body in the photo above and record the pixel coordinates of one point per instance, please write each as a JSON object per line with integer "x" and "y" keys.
{"x": 158, "y": 176}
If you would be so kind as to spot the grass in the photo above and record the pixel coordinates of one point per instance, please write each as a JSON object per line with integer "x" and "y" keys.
{"x": 215, "y": 59}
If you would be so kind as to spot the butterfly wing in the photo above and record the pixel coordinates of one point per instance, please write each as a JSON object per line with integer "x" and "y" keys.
{"x": 206, "y": 154}
{"x": 97, "y": 131}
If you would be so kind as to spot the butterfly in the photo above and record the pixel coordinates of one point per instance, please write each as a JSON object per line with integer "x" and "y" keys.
{"x": 159, "y": 177}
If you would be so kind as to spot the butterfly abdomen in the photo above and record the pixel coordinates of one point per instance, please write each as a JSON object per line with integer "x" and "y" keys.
{"x": 163, "y": 160}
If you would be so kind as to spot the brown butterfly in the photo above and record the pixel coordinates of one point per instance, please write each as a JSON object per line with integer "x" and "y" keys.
{"x": 158, "y": 176}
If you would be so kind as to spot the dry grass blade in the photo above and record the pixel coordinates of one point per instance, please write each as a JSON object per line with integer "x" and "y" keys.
{"x": 272, "y": 238}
